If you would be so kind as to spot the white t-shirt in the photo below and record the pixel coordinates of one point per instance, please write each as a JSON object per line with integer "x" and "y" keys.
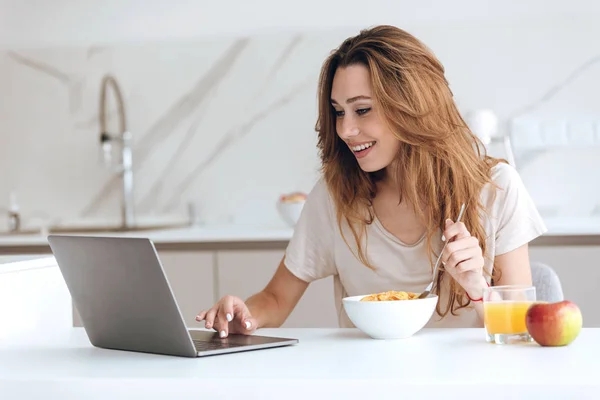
{"x": 317, "y": 249}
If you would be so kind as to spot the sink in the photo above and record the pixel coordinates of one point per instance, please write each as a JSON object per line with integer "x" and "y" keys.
{"x": 95, "y": 229}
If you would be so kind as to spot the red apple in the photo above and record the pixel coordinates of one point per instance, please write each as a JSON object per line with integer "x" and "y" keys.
{"x": 554, "y": 324}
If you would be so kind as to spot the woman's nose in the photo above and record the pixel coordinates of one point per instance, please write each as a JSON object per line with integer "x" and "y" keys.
{"x": 349, "y": 129}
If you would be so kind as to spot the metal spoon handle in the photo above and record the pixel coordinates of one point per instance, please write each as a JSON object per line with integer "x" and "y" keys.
{"x": 437, "y": 263}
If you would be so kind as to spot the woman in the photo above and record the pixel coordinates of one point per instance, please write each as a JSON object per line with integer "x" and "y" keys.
{"x": 398, "y": 161}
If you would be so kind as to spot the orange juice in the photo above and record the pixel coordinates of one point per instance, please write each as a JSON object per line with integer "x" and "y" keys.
{"x": 505, "y": 317}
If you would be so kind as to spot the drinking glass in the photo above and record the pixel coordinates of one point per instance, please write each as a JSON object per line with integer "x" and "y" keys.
{"x": 504, "y": 310}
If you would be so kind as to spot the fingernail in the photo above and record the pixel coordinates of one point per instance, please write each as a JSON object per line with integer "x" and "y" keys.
{"x": 248, "y": 324}
{"x": 207, "y": 326}
{"x": 229, "y": 318}
{"x": 222, "y": 334}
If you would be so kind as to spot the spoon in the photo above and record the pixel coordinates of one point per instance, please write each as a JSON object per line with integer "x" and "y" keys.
{"x": 437, "y": 263}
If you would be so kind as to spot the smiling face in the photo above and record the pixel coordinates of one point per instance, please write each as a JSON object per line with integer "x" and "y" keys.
{"x": 359, "y": 122}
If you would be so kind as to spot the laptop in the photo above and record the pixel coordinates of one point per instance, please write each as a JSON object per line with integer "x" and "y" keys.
{"x": 125, "y": 301}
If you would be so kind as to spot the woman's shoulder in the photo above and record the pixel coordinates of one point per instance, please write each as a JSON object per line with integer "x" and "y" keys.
{"x": 320, "y": 188}
{"x": 320, "y": 193}
{"x": 511, "y": 212}
{"x": 319, "y": 202}
{"x": 505, "y": 180}
{"x": 505, "y": 175}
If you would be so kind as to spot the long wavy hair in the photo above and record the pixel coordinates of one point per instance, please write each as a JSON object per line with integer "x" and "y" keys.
{"x": 440, "y": 164}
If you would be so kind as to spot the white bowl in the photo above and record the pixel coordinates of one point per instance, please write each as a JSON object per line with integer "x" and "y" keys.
{"x": 290, "y": 211}
{"x": 395, "y": 319}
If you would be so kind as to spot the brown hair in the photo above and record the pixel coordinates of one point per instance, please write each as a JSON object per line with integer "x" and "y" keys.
{"x": 441, "y": 163}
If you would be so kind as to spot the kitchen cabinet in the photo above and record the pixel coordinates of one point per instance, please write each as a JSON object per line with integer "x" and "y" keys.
{"x": 191, "y": 275}
{"x": 578, "y": 268}
{"x": 244, "y": 272}
{"x": 200, "y": 276}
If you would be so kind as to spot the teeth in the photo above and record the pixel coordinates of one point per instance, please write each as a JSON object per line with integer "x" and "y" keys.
{"x": 362, "y": 146}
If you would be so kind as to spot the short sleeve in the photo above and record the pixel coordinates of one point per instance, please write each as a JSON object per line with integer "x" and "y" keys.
{"x": 309, "y": 254}
{"x": 518, "y": 220}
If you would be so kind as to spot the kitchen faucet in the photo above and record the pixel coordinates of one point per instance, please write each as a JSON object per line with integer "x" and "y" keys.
{"x": 124, "y": 138}
{"x": 14, "y": 218}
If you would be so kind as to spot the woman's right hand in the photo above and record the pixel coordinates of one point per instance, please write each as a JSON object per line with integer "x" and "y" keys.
{"x": 229, "y": 315}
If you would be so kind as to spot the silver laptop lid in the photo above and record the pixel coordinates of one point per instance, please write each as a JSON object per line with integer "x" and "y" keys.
{"x": 122, "y": 294}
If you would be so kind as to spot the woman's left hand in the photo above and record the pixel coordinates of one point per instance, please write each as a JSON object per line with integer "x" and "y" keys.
{"x": 463, "y": 259}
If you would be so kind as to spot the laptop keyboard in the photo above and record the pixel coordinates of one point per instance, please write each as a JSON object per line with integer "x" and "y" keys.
{"x": 206, "y": 345}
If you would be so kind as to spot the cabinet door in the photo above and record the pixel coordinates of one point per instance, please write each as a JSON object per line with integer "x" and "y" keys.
{"x": 245, "y": 272}
{"x": 579, "y": 271}
{"x": 190, "y": 274}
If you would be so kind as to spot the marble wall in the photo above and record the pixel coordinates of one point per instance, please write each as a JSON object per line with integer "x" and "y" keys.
{"x": 227, "y": 124}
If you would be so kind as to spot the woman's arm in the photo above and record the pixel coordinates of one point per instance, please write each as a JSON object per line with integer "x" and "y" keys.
{"x": 514, "y": 267}
{"x": 463, "y": 260}
{"x": 267, "y": 308}
{"x": 277, "y": 300}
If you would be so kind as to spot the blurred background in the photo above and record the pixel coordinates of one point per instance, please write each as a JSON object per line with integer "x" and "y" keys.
{"x": 195, "y": 117}
{"x": 220, "y": 99}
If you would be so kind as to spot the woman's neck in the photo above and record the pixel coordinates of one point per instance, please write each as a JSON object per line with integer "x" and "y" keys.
{"x": 390, "y": 182}
{"x": 397, "y": 217}
{"x": 389, "y": 187}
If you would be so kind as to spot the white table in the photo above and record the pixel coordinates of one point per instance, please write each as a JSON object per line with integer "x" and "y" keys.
{"x": 326, "y": 364}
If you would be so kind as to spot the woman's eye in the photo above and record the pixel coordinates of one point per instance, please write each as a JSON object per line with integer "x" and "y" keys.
{"x": 338, "y": 113}
{"x": 362, "y": 111}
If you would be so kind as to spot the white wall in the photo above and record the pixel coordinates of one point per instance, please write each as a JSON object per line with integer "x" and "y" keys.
{"x": 500, "y": 55}
{"x": 89, "y": 22}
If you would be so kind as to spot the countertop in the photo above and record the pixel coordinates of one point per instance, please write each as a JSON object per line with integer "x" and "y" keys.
{"x": 326, "y": 363}
{"x": 26, "y": 262}
{"x": 227, "y": 233}
{"x": 570, "y": 230}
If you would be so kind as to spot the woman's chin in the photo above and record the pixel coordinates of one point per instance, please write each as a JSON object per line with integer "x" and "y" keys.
{"x": 372, "y": 166}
